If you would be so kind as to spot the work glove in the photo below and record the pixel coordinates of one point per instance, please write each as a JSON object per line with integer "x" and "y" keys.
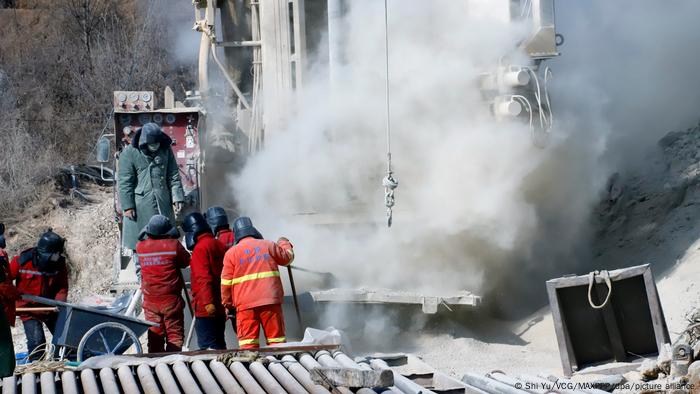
{"x": 130, "y": 213}
{"x": 211, "y": 309}
{"x": 283, "y": 241}
{"x": 177, "y": 207}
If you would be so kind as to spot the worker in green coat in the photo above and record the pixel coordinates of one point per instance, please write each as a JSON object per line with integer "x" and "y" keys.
{"x": 149, "y": 182}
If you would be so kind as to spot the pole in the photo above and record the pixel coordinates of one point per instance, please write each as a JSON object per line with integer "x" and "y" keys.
{"x": 189, "y": 307}
{"x": 294, "y": 294}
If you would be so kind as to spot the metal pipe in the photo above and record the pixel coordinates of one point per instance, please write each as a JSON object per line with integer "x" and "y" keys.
{"x": 68, "y": 383}
{"x": 245, "y": 379}
{"x": 365, "y": 390}
{"x": 206, "y": 380}
{"x": 283, "y": 376}
{"x": 148, "y": 382}
{"x": 89, "y": 382}
{"x": 166, "y": 379}
{"x": 235, "y": 88}
{"x": 47, "y": 382}
{"x": 345, "y": 361}
{"x": 9, "y": 385}
{"x": 489, "y": 385}
{"x": 238, "y": 44}
{"x": 510, "y": 381}
{"x": 132, "y": 303}
{"x": 325, "y": 359}
{"x": 127, "y": 380}
{"x": 28, "y": 383}
{"x": 187, "y": 382}
{"x": 109, "y": 382}
{"x": 203, "y": 64}
{"x": 401, "y": 382}
{"x": 302, "y": 375}
{"x": 226, "y": 380}
{"x": 266, "y": 380}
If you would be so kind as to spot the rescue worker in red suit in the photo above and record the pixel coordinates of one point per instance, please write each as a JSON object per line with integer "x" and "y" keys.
{"x": 40, "y": 271}
{"x": 218, "y": 221}
{"x": 250, "y": 283}
{"x": 8, "y": 296}
{"x": 160, "y": 257}
{"x": 205, "y": 274}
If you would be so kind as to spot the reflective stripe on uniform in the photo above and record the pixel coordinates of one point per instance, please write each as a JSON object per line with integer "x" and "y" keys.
{"x": 243, "y": 342}
{"x": 245, "y": 278}
{"x": 157, "y": 254}
{"x": 276, "y": 340}
{"x": 38, "y": 273}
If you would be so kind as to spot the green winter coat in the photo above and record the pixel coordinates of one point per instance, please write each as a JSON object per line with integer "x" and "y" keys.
{"x": 148, "y": 184}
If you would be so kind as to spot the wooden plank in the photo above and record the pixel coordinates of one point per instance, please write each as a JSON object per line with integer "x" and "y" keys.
{"x": 351, "y": 377}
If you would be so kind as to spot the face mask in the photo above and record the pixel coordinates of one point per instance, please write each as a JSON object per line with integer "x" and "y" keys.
{"x": 153, "y": 147}
{"x": 55, "y": 257}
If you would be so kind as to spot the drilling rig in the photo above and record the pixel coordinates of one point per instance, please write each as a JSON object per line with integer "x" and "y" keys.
{"x": 260, "y": 50}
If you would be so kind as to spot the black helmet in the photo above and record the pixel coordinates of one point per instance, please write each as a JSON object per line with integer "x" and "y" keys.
{"x": 2, "y": 236}
{"x": 194, "y": 225}
{"x": 48, "y": 250}
{"x": 159, "y": 227}
{"x": 243, "y": 228}
{"x": 217, "y": 218}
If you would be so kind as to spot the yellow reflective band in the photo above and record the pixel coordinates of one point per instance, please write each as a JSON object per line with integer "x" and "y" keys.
{"x": 244, "y": 342}
{"x": 227, "y": 282}
{"x": 257, "y": 275}
{"x": 276, "y": 340}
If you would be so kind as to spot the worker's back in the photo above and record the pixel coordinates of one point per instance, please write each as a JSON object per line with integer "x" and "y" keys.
{"x": 251, "y": 267}
{"x": 161, "y": 261}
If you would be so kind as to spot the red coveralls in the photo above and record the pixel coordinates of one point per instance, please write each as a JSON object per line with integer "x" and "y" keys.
{"x": 226, "y": 237}
{"x": 8, "y": 292}
{"x": 206, "y": 264}
{"x": 250, "y": 282}
{"x": 30, "y": 280}
{"x": 161, "y": 284}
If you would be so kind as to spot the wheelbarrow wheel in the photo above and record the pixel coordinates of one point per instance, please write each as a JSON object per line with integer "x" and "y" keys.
{"x": 107, "y": 338}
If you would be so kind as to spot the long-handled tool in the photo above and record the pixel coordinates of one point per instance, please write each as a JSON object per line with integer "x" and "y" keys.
{"x": 189, "y": 307}
{"x": 294, "y": 294}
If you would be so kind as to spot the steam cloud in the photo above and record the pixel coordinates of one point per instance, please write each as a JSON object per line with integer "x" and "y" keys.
{"x": 479, "y": 207}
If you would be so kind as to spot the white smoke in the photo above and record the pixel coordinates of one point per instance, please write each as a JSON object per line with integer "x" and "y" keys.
{"x": 477, "y": 202}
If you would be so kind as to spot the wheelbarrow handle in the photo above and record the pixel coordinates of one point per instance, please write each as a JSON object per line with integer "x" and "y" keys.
{"x": 37, "y": 309}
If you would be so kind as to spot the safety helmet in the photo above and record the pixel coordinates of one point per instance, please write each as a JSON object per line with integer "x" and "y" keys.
{"x": 243, "y": 228}
{"x": 217, "y": 218}
{"x": 159, "y": 227}
{"x": 48, "y": 251}
{"x": 194, "y": 225}
{"x": 50, "y": 243}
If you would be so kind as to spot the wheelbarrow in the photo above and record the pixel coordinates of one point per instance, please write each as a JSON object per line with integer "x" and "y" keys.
{"x": 93, "y": 331}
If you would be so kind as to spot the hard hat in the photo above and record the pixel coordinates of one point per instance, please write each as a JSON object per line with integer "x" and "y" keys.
{"x": 159, "y": 227}
{"x": 194, "y": 225}
{"x": 217, "y": 218}
{"x": 243, "y": 228}
{"x": 48, "y": 251}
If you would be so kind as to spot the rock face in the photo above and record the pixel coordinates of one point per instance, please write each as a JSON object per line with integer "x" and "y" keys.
{"x": 651, "y": 216}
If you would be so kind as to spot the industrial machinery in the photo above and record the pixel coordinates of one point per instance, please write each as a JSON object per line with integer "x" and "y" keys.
{"x": 258, "y": 48}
